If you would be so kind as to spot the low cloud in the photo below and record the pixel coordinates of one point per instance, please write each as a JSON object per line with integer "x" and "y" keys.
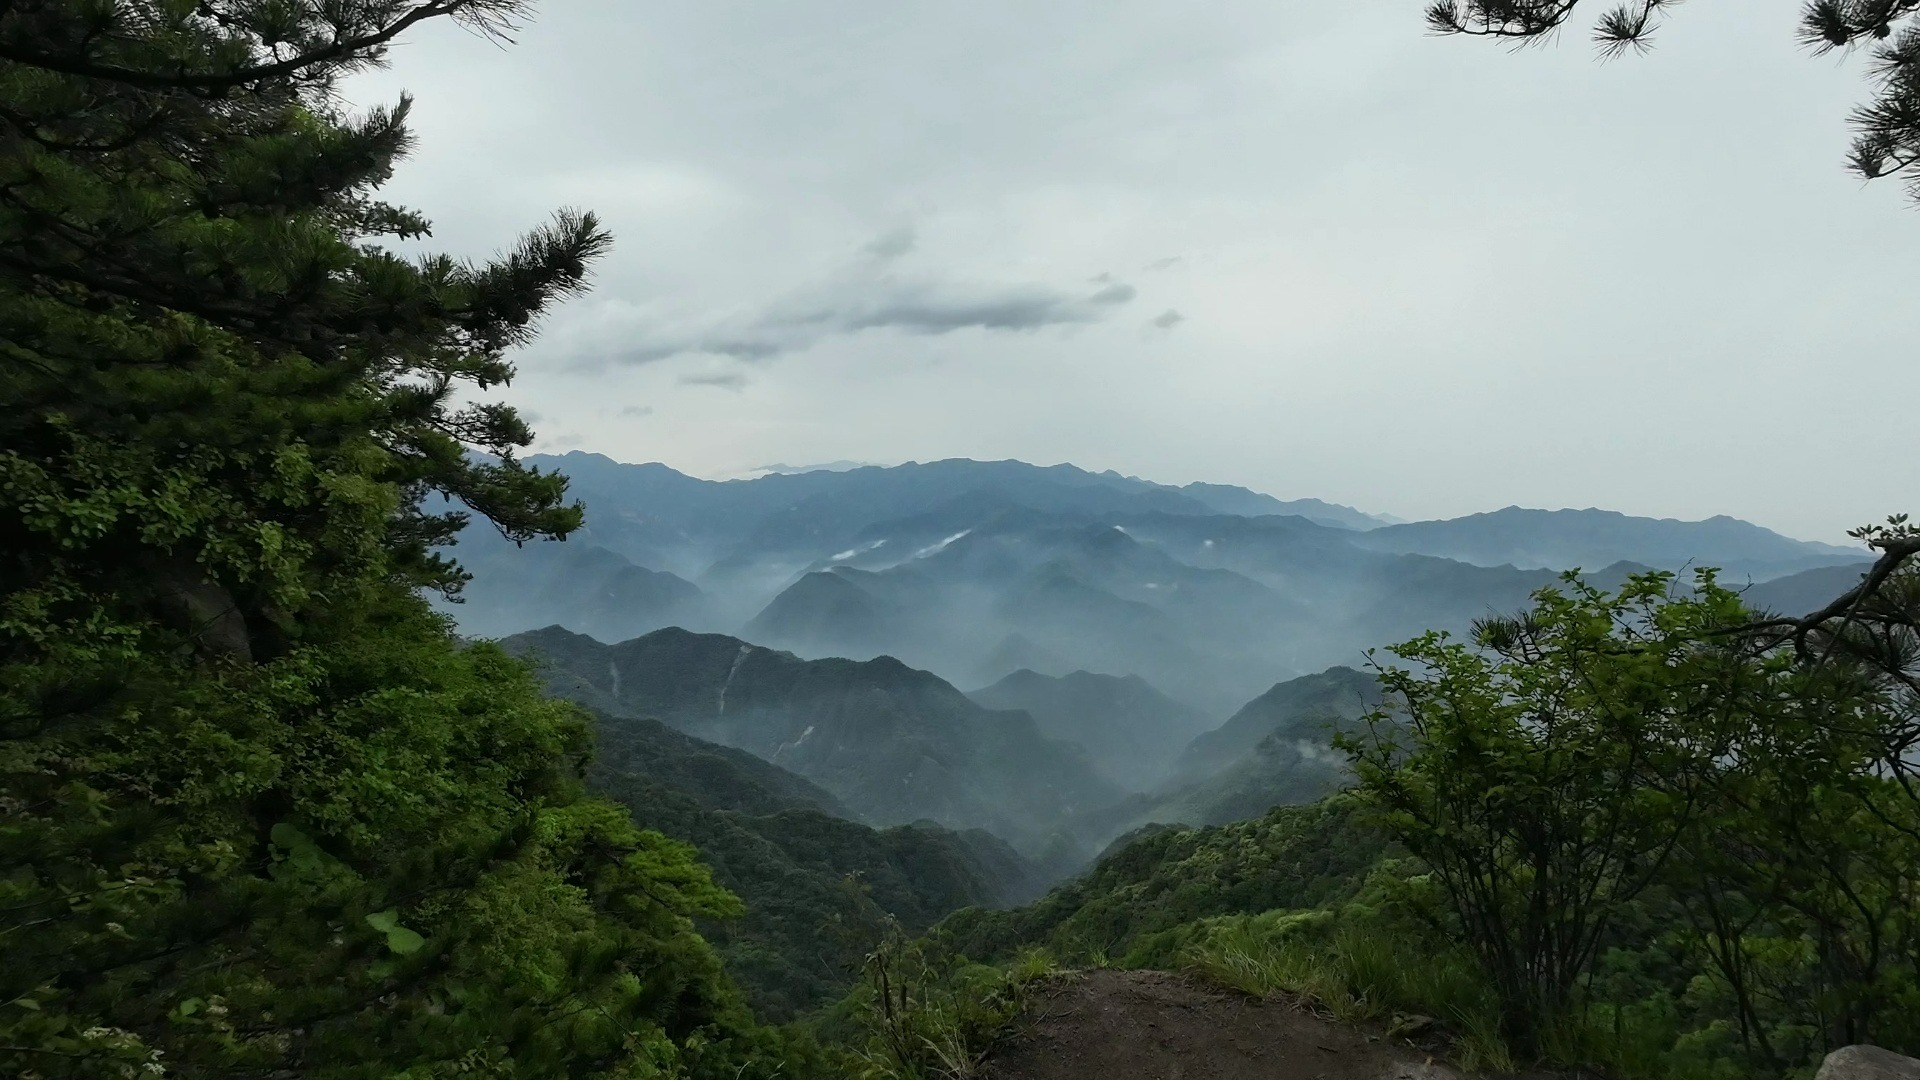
{"x": 1168, "y": 319}
{"x": 636, "y": 412}
{"x": 892, "y": 245}
{"x": 725, "y": 380}
{"x": 868, "y": 295}
{"x": 1167, "y": 263}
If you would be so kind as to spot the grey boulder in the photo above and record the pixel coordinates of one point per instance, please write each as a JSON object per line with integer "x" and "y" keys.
{"x": 1867, "y": 1063}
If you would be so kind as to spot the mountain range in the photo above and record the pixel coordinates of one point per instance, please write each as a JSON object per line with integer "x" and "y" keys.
{"x": 891, "y": 744}
{"x": 773, "y": 665}
{"x": 1129, "y": 730}
{"x": 977, "y": 570}
{"x": 1058, "y": 766}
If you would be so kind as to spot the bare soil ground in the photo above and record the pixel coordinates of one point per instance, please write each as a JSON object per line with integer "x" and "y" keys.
{"x": 1152, "y": 1025}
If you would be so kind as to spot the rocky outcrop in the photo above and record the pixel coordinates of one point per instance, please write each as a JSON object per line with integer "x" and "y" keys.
{"x": 1868, "y": 1063}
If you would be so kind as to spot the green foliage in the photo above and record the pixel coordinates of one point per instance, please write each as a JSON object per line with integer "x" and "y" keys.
{"x": 352, "y": 860}
{"x": 1121, "y": 910}
{"x": 818, "y": 890}
{"x": 1524, "y": 773}
{"x": 1651, "y": 815}
{"x": 919, "y": 1013}
{"x": 260, "y": 814}
{"x": 1359, "y": 969}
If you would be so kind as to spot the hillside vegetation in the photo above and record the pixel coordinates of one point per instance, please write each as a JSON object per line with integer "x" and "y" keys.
{"x": 892, "y": 744}
{"x": 818, "y": 888}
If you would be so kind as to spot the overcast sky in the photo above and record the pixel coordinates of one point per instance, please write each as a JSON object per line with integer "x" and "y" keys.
{"x": 1303, "y": 247}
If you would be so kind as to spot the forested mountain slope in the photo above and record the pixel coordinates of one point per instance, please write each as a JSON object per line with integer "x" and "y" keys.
{"x": 1164, "y": 878}
{"x": 1128, "y": 728}
{"x": 1307, "y": 709}
{"x": 893, "y": 744}
{"x": 816, "y": 887}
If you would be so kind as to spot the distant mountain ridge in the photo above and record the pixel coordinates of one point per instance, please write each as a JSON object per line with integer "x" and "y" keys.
{"x": 1306, "y": 709}
{"x": 973, "y": 570}
{"x": 1210, "y": 609}
{"x": 592, "y": 589}
{"x": 1592, "y": 538}
{"x": 1130, "y": 731}
{"x": 1804, "y": 592}
{"x": 893, "y": 744}
{"x": 652, "y": 513}
{"x": 1275, "y": 750}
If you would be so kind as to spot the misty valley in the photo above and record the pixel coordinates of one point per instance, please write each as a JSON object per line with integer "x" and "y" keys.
{"x": 1006, "y": 670}
{"x": 406, "y": 675}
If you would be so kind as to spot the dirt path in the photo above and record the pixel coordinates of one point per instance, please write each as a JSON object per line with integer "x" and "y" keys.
{"x": 1151, "y": 1025}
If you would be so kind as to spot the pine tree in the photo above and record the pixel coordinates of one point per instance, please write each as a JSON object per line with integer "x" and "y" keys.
{"x": 1886, "y": 130}
{"x": 260, "y": 813}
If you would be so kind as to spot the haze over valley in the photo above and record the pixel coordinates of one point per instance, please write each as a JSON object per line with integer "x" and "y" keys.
{"x": 1331, "y": 551}
{"x": 1047, "y": 655}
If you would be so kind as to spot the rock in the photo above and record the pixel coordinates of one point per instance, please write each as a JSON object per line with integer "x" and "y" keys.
{"x": 1411, "y": 1026}
{"x": 1868, "y": 1063}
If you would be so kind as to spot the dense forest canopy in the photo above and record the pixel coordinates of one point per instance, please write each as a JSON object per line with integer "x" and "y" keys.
{"x": 263, "y": 815}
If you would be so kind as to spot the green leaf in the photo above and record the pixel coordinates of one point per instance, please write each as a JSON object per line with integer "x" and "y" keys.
{"x": 285, "y": 835}
{"x": 400, "y": 940}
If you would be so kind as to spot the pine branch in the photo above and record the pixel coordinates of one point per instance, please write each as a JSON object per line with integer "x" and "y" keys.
{"x": 346, "y": 45}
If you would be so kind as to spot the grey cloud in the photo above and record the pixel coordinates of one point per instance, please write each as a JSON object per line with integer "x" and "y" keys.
{"x": 636, "y": 412}
{"x": 725, "y": 380}
{"x": 1168, "y": 319}
{"x": 892, "y": 245}
{"x": 941, "y": 311}
{"x": 1287, "y": 161}
{"x": 859, "y": 303}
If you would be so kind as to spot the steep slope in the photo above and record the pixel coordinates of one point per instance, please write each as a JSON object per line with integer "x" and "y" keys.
{"x": 779, "y": 843}
{"x": 1275, "y": 751}
{"x": 1806, "y": 591}
{"x": 1564, "y": 539}
{"x": 837, "y": 612}
{"x": 633, "y": 749}
{"x": 893, "y": 744}
{"x": 1129, "y": 730}
{"x": 1302, "y": 710}
{"x": 592, "y": 589}
{"x": 1279, "y": 771}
